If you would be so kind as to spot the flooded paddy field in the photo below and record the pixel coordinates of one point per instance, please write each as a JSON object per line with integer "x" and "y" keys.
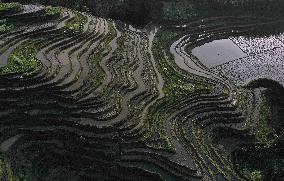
{"x": 264, "y": 60}
{"x": 88, "y": 98}
{"x": 267, "y": 65}
{"x": 218, "y": 52}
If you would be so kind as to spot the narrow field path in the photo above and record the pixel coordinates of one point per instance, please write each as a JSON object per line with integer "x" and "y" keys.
{"x": 160, "y": 79}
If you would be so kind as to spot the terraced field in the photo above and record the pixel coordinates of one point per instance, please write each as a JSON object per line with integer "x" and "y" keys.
{"x": 87, "y": 98}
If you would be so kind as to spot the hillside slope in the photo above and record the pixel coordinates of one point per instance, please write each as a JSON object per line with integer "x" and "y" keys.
{"x": 88, "y": 98}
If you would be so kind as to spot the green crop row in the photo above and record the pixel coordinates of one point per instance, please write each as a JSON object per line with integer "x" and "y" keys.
{"x": 176, "y": 87}
{"x": 22, "y": 60}
{"x": 77, "y": 23}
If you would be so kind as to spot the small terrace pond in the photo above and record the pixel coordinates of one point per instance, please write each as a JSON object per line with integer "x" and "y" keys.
{"x": 218, "y": 52}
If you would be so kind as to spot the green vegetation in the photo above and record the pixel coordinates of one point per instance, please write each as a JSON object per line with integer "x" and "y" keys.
{"x": 6, "y": 172}
{"x": 175, "y": 83}
{"x": 210, "y": 151}
{"x": 10, "y": 8}
{"x": 96, "y": 58}
{"x": 4, "y": 26}
{"x": 243, "y": 102}
{"x": 77, "y": 23}
{"x": 52, "y": 11}
{"x": 257, "y": 162}
{"x": 262, "y": 128}
{"x": 256, "y": 175}
{"x": 100, "y": 74}
{"x": 22, "y": 60}
{"x": 98, "y": 85}
{"x": 261, "y": 159}
{"x": 176, "y": 87}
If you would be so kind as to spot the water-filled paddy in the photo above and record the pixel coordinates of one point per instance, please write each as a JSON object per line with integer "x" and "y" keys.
{"x": 89, "y": 98}
{"x": 218, "y": 52}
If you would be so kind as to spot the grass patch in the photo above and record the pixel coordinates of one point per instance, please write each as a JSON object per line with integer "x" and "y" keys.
{"x": 10, "y": 8}
{"x": 263, "y": 130}
{"x": 22, "y": 60}
{"x": 77, "y": 23}
{"x": 5, "y": 26}
{"x": 52, "y": 11}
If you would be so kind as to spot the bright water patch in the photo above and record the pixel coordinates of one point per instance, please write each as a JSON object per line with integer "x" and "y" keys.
{"x": 218, "y": 52}
{"x": 255, "y": 45}
{"x": 268, "y": 65}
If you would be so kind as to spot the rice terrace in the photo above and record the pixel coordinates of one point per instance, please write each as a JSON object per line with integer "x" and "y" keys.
{"x": 142, "y": 90}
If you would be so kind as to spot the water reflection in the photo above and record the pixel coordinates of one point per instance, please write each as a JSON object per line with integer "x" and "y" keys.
{"x": 218, "y": 52}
